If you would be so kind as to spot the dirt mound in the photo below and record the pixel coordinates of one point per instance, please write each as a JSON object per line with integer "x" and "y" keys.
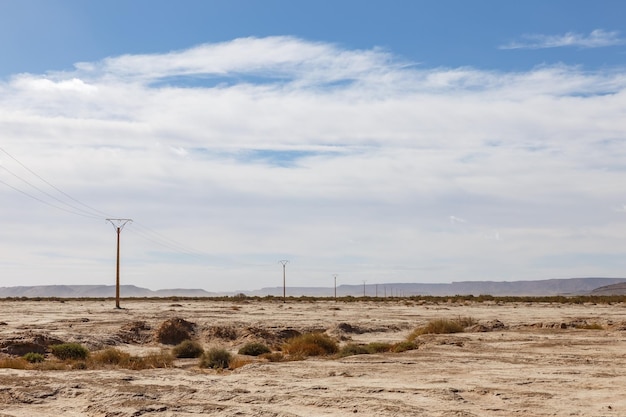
{"x": 488, "y": 326}
{"x": 135, "y": 332}
{"x": 174, "y": 331}
{"x": 28, "y": 342}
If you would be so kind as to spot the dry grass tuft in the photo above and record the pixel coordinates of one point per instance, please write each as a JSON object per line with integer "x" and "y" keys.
{"x": 216, "y": 358}
{"x": 310, "y": 344}
{"x": 188, "y": 349}
{"x": 438, "y": 326}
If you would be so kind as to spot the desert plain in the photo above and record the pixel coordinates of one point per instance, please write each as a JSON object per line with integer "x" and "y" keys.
{"x": 518, "y": 359}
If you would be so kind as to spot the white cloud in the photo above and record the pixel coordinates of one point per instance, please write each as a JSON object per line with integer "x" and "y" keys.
{"x": 255, "y": 150}
{"x": 598, "y": 38}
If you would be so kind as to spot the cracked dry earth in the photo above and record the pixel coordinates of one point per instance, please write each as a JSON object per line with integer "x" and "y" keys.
{"x": 521, "y": 359}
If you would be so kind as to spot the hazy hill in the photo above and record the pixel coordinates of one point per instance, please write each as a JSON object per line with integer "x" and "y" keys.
{"x": 571, "y": 286}
{"x": 97, "y": 291}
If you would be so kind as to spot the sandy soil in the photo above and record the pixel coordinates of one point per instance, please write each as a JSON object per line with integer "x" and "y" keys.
{"x": 532, "y": 362}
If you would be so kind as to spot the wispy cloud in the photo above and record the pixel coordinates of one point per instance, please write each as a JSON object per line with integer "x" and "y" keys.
{"x": 298, "y": 146}
{"x": 598, "y": 38}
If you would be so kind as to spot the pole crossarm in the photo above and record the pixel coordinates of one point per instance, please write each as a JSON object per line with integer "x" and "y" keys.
{"x": 119, "y": 223}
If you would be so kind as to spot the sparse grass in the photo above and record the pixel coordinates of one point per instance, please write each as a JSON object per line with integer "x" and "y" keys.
{"x": 71, "y": 351}
{"x": 403, "y": 346}
{"x": 110, "y": 356}
{"x": 273, "y": 357}
{"x": 466, "y": 321}
{"x": 254, "y": 349}
{"x": 310, "y": 344}
{"x": 188, "y": 349}
{"x": 32, "y": 357}
{"x": 239, "y": 361}
{"x": 216, "y": 358}
{"x": 590, "y": 326}
{"x": 14, "y": 363}
{"x": 152, "y": 360}
{"x": 438, "y": 326}
{"x": 378, "y": 347}
{"x": 352, "y": 349}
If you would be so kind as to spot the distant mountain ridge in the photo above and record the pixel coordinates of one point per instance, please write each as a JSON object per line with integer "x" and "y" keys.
{"x": 549, "y": 287}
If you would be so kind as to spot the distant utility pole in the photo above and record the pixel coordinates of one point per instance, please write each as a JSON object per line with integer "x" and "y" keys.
{"x": 364, "y": 287}
{"x": 118, "y": 224}
{"x": 335, "y": 276}
{"x": 284, "y": 263}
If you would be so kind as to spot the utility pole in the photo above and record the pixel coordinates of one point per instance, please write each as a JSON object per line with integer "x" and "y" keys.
{"x": 364, "y": 287}
{"x": 284, "y": 263}
{"x": 335, "y": 276}
{"x": 118, "y": 224}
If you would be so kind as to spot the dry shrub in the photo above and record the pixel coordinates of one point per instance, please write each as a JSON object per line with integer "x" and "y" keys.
{"x": 378, "y": 347}
{"x": 238, "y": 362}
{"x": 110, "y": 356}
{"x": 14, "y": 363}
{"x": 438, "y": 326}
{"x": 188, "y": 349}
{"x": 273, "y": 357}
{"x": 403, "y": 346}
{"x": 352, "y": 349}
{"x": 216, "y": 358}
{"x": 466, "y": 321}
{"x": 174, "y": 331}
{"x": 254, "y": 349}
{"x": 33, "y": 357}
{"x": 152, "y": 360}
{"x": 310, "y": 344}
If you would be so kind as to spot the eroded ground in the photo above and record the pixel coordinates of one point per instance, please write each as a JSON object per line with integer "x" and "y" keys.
{"x": 534, "y": 360}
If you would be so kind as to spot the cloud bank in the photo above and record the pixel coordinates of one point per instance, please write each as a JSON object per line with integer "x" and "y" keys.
{"x": 232, "y": 156}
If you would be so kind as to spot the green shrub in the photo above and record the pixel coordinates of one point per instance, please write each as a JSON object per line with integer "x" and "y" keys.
{"x": 33, "y": 357}
{"x": 216, "y": 358}
{"x": 438, "y": 326}
{"x": 188, "y": 349}
{"x": 69, "y": 351}
{"x": 310, "y": 344}
{"x": 254, "y": 349}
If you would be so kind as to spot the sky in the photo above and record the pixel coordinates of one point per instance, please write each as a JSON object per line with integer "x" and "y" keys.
{"x": 378, "y": 141}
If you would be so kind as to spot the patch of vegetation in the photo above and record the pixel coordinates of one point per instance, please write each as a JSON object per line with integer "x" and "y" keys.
{"x": 110, "y": 356}
{"x": 352, "y": 349}
{"x": 378, "y": 347}
{"x": 254, "y": 349}
{"x": 437, "y": 326}
{"x": 590, "y": 326}
{"x": 69, "y": 351}
{"x": 32, "y": 357}
{"x": 273, "y": 357}
{"x": 310, "y": 344}
{"x": 216, "y": 358}
{"x": 403, "y": 346}
{"x": 188, "y": 349}
{"x": 152, "y": 360}
{"x": 14, "y": 363}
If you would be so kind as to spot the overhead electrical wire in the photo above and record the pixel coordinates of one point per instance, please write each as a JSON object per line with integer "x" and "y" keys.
{"x": 93, "y": 213}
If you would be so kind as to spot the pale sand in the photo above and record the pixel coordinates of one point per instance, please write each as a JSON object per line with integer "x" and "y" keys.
{"x": 527, "y": 369}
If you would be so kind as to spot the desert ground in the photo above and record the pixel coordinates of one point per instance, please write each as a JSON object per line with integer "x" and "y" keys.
{"x": 524, "y": 359}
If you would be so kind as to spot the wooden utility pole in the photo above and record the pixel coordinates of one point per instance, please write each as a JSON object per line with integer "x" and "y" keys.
{"x": 118, "y": 224}
{"x": 284, "y": 263}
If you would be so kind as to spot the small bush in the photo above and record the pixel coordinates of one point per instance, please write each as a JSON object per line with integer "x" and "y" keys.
{"x": 188, "y": 349}
{"x": 310, "y": 344}
{"x": 438, "y": 326}
{"x": 153, "y": 360}
{"x": 466, "y": 321}
{"x": 216, "y": 358}
{"x": 73, "y": 351}
{"x": 33, "y": 357}
{"x": 254, "y": 349}
{"x": 110, "y": 356}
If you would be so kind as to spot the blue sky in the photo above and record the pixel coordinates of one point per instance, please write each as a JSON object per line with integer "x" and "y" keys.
{"x": 397, "y": 141}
